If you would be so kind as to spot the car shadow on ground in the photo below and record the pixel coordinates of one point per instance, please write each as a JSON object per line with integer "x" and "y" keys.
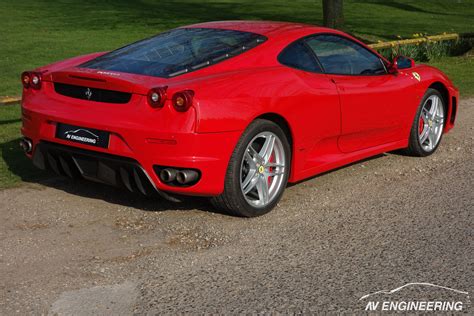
{"x": 122, "y": 197}
{"x": 343, "y": 167}
{"x": 20, "y": 166}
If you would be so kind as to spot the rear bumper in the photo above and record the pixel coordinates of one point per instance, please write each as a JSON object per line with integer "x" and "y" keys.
{"x": 134, "y": 145}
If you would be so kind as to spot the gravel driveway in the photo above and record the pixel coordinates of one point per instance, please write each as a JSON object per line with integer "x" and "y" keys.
{"x": 81, "y": 248}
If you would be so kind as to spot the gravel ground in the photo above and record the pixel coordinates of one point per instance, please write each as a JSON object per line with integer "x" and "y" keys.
{"x": 81, "y": 248}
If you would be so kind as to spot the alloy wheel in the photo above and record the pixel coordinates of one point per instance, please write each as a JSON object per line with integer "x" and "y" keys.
{"x": 262, "y": 169}
{"x": 431, "y": 123}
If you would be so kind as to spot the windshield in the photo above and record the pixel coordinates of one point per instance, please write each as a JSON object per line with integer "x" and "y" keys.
{"x": 177, "y": 52}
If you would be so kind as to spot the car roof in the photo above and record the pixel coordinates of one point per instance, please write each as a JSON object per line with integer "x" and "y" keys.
{"x": 266, "y": 28}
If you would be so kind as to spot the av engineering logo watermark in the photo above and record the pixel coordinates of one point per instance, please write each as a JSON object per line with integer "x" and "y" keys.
{"x": 386, "y": 301}
{"x": 91, "y": 138}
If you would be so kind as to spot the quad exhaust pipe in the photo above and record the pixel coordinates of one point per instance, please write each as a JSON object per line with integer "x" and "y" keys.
{"x": 186, "y": 176}
{"x": 26, "y": 145}
{"x": 168, "y": 175}
{"x": 182, "y": 177}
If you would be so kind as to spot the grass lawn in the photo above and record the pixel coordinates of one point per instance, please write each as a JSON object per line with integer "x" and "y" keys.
{"x": 461, "y": 72}
{"x": 14, "y": 166}
{"x": 38, "y": 32}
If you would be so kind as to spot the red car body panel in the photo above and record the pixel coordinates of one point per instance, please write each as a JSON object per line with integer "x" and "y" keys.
{"x": 333, "y": 120}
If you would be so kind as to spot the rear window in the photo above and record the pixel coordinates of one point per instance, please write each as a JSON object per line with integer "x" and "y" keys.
{"x": 177, "y": 52}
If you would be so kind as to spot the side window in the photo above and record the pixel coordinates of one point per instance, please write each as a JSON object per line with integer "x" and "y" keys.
{"x": 339, "y": 55}
{"x": 298, "y": 55}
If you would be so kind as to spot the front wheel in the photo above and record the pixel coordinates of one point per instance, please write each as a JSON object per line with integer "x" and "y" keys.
{"x": 428, "y": 126}
{"x": 258, "y": 171}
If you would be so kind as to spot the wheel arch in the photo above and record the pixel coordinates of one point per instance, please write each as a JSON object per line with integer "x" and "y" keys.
{"x": 280, "y": 121}
{"x": 285, "y": 126}
{"x": 441, "y": 88}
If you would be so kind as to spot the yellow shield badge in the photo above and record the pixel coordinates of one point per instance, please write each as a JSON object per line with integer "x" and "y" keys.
{"x": 416, "y": 76}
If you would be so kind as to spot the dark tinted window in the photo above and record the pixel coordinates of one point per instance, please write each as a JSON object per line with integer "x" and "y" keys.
{"x": 177, "y": 51}
{"x": 338, "y": 55}
{"x": 298, "y": 55}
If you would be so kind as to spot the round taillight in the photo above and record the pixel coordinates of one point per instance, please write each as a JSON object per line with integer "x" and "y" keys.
{"x": 157, "y": 97}
{"x": 183, "y": 100}
{"x": 26, "y": 79}
{"x": 35, "y": 80}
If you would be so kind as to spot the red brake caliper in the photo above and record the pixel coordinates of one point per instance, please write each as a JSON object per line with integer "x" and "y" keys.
{"x": 421, "y": 126}
{"x": 272, "y": 159}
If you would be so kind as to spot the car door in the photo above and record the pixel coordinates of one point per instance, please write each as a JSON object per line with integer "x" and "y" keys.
{"x": 374, "y": 103}
{"x": 313, "y": 98}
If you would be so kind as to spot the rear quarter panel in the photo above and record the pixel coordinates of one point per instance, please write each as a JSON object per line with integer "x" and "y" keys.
{"x": 232, "y": 102}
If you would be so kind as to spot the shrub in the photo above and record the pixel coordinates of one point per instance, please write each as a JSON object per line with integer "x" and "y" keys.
{"x": 430, "y": 50}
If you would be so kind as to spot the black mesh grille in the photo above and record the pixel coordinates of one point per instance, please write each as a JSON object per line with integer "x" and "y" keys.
{"x": 92, "y": 94}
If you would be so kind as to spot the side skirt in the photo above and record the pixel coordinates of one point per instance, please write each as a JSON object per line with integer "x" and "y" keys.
{"x": 342, "y": 159}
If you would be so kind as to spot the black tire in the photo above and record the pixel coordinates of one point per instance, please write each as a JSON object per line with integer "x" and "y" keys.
{"x": 232, "y": 200}
{"x": 414, "y": 146}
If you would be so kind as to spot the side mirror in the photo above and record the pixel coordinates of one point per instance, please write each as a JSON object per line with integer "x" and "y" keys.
{"x": 401, "y": 62}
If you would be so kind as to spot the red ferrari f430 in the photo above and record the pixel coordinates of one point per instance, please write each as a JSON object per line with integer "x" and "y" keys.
{"x": 230, "y": 110}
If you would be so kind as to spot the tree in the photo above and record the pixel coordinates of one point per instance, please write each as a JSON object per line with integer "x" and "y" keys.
{"x": 333, "y": 14}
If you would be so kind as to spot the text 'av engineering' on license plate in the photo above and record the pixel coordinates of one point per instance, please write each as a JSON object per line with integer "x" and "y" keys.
{"x": 83, "y": 135}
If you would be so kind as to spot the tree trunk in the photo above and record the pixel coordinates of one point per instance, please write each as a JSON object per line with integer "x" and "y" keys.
{"x": 333, "y": 14}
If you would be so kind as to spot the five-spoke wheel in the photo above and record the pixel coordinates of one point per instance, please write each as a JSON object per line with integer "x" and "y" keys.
{"x": 428, "y": 126}
{"x": 258, "y": 171}
{"x": 431, "y": 122}
{"x": 263, "y": 169}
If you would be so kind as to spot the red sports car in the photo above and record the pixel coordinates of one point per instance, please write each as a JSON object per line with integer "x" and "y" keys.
{"x": 230, "y": 110}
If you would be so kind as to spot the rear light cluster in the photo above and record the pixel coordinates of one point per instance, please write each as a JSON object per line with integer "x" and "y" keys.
{"x": 157, "y": 97}
{"x": 181, "y": 100}
{"x": 31, "y": 79}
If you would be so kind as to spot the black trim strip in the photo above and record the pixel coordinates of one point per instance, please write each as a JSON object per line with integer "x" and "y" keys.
{"x": 92, "y": 94}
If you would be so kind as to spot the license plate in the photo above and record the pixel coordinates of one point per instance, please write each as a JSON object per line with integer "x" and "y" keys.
{"x": 83, "y": 135}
